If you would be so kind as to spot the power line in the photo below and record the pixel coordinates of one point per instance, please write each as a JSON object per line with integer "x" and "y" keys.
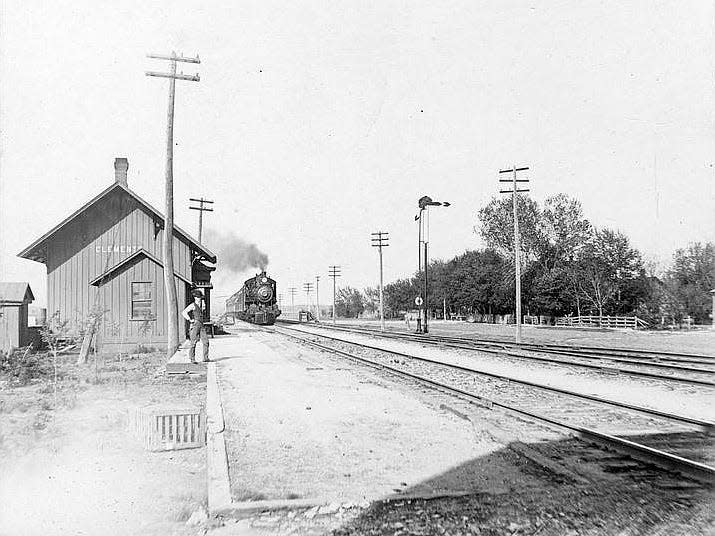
{"x": 334, "y": 272}
{"x": 514, "y": 191}
{"x": 292, "y": 291}
{"x": 201, "y": 210}
{"x": 317, "y": 297}
{"x": 380, "y": 240}
{"x": 308, "y": 288}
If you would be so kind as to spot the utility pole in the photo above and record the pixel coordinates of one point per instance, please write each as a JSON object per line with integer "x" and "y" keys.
{"x": 317, "y": 297}
{"x": 514, "y": 191}
{"x": 379, "y": 240}
{"x": 308, "y": 287}
{"x": 334, "y": 272}
{"x": 201, "y": 210}
{"x": 292, "y": 291}
{"x": 169, "y": 286}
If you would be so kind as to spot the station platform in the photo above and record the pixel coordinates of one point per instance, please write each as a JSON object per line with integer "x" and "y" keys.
{"x": 302, "y": 428}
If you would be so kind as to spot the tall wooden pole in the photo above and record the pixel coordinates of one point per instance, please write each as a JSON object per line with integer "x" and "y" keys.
{"x": 380, "y": 240}
{"x": 172, "y": 305}
{"x": 317, "y": 297}
{"x": 201, "y": 208}
{"x": 169, "y": 285}
{"x": 334, "y": 272}
{"x": 516, "y": 260}
{"x": 382, "y": 309}
{"x": 515, "y": 190}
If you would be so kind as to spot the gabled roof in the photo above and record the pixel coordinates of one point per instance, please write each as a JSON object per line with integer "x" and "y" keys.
{"x": 16, "y": 293}
{"x": 31, "y": 252}
{"x": 125, "y": 262}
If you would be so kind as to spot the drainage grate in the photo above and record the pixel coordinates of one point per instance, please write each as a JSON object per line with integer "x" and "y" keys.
{"x": 169, "y": 428}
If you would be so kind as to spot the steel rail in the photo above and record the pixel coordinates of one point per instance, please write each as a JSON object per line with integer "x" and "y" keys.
{"x": 704, "y": 425}
{"x": 637, "y": 450}
{"x": 638, "y": 356}
{"x": 707, "y": 359}
{"x": 611, "y": 359}
{"x": 475, "y": 346}
{"x": 504, "y": 351}
{"x": 652, "y": 361}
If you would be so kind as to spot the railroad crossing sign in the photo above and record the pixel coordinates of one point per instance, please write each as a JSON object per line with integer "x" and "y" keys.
{"x": 418, "y": 300}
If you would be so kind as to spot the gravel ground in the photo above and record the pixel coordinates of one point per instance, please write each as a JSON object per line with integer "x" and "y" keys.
{"x": 303, "y": 426}
{"x": 528, "y": 480}
{"x": 692, "y": 401}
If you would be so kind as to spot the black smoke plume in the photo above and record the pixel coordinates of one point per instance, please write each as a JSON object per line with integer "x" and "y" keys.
{"x": 235, "y": 254}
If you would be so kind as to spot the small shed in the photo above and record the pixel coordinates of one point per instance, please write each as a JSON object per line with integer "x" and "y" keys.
{"x": 14, "y": 301}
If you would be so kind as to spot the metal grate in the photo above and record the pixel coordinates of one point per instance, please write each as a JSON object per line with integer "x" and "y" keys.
{"x": 167, "y": 428}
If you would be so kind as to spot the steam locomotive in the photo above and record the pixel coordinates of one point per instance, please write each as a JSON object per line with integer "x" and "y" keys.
{"x": 256, "y": 302}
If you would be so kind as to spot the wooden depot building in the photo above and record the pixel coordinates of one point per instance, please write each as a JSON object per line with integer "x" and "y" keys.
{"x": 106, "y": 257}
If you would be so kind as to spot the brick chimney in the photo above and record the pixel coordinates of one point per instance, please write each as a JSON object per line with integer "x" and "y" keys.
{"x": 121, "y": 165}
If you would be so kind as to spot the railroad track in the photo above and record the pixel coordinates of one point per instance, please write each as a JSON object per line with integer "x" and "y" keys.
{"x": 671, "y": 441}
{"x": 670, "y": 371}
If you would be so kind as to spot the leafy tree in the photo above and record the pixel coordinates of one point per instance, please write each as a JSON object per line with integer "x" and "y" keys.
{"x": 478, "y": 281}
{"x": 606, "y": 262}
{"x": 691, "y": 279}
{"x": 565, "y": 229}
{"x": 400, "y": 295}
{"x": 348, "y": 302}
{"x": 497, "y": 226}
{"x": 372, "y": 299}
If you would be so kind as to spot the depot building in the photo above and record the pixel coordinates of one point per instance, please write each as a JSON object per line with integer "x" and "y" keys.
{"x": 106, "y": 258}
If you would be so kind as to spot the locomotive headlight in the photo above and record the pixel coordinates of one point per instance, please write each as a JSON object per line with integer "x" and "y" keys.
{"x": 264, "y": 280}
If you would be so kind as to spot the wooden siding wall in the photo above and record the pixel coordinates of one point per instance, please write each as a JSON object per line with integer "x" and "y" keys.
{"x": 10, "y": 327}
{"x": 95, "y": 242}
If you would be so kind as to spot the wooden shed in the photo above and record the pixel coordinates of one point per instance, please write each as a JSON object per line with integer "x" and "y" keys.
{"x": 106, "y": 258}
{"x": 14, "y": 300}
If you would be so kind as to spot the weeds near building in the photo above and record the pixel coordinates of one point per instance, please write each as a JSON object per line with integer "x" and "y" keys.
{"x": 54, "y": 335}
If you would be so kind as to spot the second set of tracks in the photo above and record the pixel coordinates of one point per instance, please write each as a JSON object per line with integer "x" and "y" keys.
{"x": 676, "y": 442}
{"x": 683, "y": 369}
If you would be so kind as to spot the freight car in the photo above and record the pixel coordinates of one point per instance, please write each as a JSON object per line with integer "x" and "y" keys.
{"x": 256, "y": 301}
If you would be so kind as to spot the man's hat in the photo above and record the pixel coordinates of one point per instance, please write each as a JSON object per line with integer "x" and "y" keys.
{"x": 196, "y": 293}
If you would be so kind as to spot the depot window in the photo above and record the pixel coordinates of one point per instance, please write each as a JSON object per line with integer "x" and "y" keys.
{"x": 141, "y": 300}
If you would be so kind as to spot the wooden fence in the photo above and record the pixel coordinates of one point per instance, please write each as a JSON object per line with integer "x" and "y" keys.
{"x": 631, "y": 322}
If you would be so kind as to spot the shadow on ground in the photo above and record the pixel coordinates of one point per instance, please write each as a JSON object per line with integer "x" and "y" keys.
{"x": 565, "y": 487}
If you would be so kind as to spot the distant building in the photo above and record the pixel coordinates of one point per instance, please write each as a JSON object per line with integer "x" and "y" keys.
{"x": 106, "y": 257}
{"x": 14, "y": 300}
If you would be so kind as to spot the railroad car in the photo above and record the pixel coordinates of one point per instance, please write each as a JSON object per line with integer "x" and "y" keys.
{"x": 256, "y": 302}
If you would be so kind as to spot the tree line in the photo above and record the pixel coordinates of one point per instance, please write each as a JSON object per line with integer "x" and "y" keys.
{"x": 569, "y": 267}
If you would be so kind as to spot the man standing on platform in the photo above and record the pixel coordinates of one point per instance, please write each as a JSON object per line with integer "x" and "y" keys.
{"x": 194, "y": 313}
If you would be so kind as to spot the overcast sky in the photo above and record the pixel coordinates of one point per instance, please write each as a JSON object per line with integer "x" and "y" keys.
{"x": 317, "y": 123}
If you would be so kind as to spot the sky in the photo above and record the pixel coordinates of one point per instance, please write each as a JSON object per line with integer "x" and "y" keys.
{"x": 317, "y": 123}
